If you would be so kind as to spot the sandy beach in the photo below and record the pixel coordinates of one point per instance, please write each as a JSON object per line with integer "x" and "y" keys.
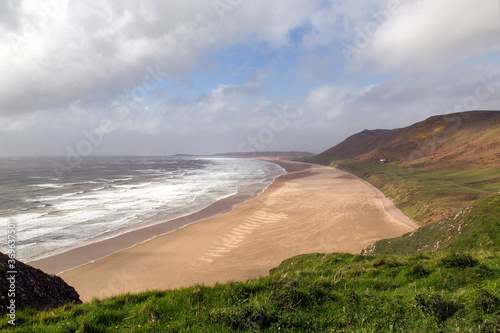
{"x": 310, "y": 209}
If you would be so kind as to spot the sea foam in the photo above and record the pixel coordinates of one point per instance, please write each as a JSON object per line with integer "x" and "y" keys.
{"x": 107, "y": 197}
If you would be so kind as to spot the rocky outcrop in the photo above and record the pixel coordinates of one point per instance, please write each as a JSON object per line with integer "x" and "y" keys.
{"x": 24, "y": 286}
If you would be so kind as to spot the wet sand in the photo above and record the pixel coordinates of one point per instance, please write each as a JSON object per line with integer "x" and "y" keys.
{"x": 310, "y": 209}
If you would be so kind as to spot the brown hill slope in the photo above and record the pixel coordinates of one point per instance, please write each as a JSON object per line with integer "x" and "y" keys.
{"x": 455, "y": 141}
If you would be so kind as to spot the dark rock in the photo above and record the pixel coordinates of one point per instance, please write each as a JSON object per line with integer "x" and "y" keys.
{"x": 32, "y": 287}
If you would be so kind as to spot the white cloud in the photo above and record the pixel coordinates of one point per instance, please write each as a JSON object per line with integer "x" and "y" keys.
{"x": 66, "y": 65}
{"x": 79, "y": 48}
{"x": 433, "y": 34}
{"x": 327, "y": 102}
{"x": 418, "y": 35}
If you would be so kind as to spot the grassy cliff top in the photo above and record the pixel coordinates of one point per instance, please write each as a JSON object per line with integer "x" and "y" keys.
{"x": 431, "y": 292}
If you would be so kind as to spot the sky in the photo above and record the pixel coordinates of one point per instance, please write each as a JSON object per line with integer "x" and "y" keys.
{"x": 156, "y": 77}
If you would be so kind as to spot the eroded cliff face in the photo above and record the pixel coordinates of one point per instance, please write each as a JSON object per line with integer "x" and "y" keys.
{"x": 23, "y": 286}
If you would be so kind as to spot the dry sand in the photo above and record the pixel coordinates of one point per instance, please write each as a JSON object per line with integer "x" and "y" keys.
{"x": 310, "y": 209}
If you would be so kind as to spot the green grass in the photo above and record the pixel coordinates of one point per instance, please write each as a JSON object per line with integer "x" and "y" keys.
{"x": 309, "y": 293}
{"x": 475, "y": 229}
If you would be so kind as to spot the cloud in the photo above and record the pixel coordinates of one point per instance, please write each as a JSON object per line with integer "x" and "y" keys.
{"x": 327, "y": 102}
{"x": 9, "y": 13}
{"x": 417, "y": 35}
{"x": 160, "y": 71}
{"x": 79, "y": 49}
{"x": 428, "y": 35}
{"x": 91, "y": 46}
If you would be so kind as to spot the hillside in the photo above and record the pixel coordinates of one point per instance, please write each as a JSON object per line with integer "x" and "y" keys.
{"x": 466, "y": 140}
{"x": 476, "y": 228}
{"x": 354, "y": 146}
{"x": 437, "y": 167}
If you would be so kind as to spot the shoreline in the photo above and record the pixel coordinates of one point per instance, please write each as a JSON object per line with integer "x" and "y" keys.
{"x": 309, "y": 209}
{"x": 89, "y": 253}
{"x": 390, "y": 207}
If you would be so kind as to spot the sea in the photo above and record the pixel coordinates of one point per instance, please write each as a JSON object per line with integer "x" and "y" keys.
{"x": 46, "y": 209}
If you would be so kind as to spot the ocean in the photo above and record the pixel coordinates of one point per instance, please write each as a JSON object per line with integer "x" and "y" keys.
{"x": 56, "y": 209}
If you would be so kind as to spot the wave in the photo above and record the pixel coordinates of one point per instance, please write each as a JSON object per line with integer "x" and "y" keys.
{"x": 57, "y": 218}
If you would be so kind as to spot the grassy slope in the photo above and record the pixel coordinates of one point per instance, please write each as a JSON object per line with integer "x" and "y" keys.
{"x": 475, "y": 230}
{"x": 308, "y": 293}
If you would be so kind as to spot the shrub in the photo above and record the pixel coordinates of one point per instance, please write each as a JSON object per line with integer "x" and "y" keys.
{"x": 419, "y": 271}
{"x": 291, "y": 296}
{"x": 436, "y": 306}
{"x": 459, "y": 260}
{"x": 488, "y": 303}
{"x": 385, "y": 262}
{"x": 246, "y": 318}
